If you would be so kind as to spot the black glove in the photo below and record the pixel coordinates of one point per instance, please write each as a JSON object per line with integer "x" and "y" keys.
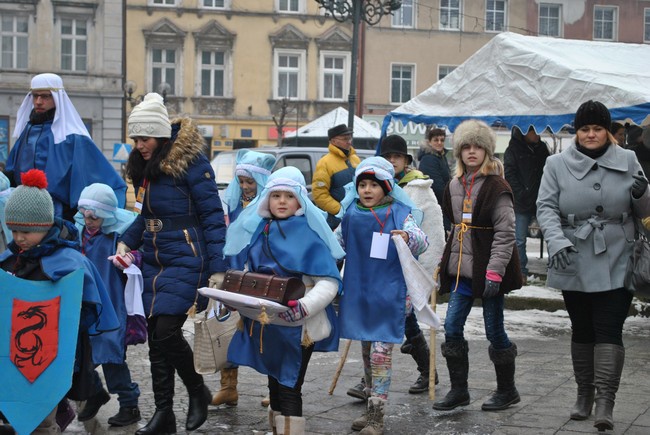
{"x": 491, "y": 289}
{"x": 561, "y": 258}
{"x": 639, "y": 186}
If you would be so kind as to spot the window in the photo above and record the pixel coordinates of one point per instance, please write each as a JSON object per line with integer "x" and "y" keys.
{"x": 401, "y": 83}
{"x": 550, "y": 17}
{"x": 403, "y": 17}
{"x": 445, "y": 70}
{"x": 334, "y": 75}
{"x": 163, "y": 2}
{"x": 646, "y": 21}
{"x": 605, "y": 23}
{"x": 163, "y": 68}
{"x": 213, "y": 73}
{"x": 291, "y": 6}
{"x": 216, "y": 4}
{"x": 302, "y": 162}
{"x": 13, "y": 31}
{"x": 74, "y": 45}
{"x": 450, "y": 14}
{"x": 289, "y": 74}
{"x": 495, "y": 16}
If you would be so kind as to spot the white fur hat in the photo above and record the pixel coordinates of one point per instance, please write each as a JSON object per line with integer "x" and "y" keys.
{"x": 477, "y": 133}
{"x": 150, "y": 118}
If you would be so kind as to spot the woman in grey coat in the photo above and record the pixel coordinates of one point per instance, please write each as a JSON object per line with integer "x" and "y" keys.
{"x": 588, "y": 199}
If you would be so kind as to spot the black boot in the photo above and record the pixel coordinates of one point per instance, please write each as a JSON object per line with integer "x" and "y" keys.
{"x": 91, "y": 408}
{"x": 504, "y": 366}
{"x": 163, "y": 422}
{"x": 162, "y": 377}
{"x": 456, "y": 354}
{"x": 420, "y": 353}
{"x": 582, "y": 356}
{"x": 608, "y": 366}
{"x": 179, "y": 354}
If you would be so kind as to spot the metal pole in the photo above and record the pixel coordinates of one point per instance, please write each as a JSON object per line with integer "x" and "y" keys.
{"x": 352, "y": 97}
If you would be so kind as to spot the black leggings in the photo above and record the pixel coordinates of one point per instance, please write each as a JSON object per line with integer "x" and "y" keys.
{"x": 598, "y": 317}
{"x": 289, "y": 400}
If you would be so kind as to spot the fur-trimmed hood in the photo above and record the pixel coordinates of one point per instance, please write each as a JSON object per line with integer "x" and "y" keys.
{"x": 187, "y": 146}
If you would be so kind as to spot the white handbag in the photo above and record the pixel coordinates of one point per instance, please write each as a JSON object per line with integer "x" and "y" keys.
{"x": 213, "y": 331}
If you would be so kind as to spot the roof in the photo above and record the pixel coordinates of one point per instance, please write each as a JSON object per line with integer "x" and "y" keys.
{"x": 319, "y": 126}
{"x": 539, "y": 81}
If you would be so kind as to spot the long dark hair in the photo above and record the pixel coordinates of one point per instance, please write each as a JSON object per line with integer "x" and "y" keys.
{"x": 137, "y": 168}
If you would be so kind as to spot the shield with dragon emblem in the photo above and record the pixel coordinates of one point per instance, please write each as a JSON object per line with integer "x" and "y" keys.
{"x": 39, "y": 322}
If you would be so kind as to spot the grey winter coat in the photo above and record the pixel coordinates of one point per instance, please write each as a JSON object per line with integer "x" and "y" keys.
{"x": 587, "y": 203}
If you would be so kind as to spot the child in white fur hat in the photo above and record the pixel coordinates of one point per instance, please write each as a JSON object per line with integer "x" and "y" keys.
{"x": 480, "y": 261}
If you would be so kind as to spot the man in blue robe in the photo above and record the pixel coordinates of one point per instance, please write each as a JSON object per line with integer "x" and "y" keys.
{"x": 52, "y": 137}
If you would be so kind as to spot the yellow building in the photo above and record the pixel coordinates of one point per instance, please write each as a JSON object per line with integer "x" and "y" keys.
{"x": 230, "y": 65}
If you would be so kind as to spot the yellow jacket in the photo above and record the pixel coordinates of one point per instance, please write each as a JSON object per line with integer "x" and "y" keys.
{"x": 333, "y": 171}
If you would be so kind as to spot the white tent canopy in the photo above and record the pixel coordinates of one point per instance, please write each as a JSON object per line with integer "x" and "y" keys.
{"x": 318, "y": 127}
{"x": 523, "y": 81}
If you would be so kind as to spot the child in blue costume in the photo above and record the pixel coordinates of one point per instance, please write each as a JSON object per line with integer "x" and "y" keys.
{"x": 5, "y": 191}
{"x": 251, "y": 172}
{"x": 41, "y": 251}
{"x": 100, "y": 223}
{"x": 375, "y": 304}
{"x": 287, "y": 235}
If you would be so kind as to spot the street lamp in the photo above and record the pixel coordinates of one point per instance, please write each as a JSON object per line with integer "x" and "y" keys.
{"x": 370, "y": 11}
{"x": 163, "y": 89}
{"x": 129, "y": 88}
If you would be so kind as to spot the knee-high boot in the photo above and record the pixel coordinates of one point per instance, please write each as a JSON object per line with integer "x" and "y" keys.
{"x": 420, "y": 353}
{"x": 179, "y": 354}
{"x": 504, "y": 366}
{"x": 162, "y": 377}
{"x": 582, "y": 356}
{"x": 608, "y": 366}
{"x": 456, "y": 354}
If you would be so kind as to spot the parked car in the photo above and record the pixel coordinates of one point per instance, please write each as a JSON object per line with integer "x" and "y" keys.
{"x": 303, "y": 158}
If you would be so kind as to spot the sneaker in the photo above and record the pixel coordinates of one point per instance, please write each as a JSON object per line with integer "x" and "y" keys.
{"x": 359, "y": 391}
{"x": 91, "y": 408}
{"x": 127, "y": 415}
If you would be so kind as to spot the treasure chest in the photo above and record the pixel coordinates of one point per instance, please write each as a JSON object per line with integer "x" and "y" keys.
{"x": 274, "y": 288}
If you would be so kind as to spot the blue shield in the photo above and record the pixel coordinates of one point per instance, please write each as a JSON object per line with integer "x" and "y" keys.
{"x": 36, "y": 364}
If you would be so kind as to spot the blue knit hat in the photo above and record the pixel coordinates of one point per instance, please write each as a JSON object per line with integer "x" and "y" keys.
{"x": 30, "y": 208}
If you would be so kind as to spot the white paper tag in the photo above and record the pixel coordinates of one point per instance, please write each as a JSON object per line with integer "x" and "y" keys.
{"x": 379, "y": 247}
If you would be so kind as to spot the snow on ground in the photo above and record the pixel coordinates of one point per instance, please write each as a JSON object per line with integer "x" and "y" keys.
{"x": 539, "y": 324}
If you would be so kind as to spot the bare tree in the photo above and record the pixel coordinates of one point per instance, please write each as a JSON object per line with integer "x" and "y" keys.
{"x": 281, "y": 123}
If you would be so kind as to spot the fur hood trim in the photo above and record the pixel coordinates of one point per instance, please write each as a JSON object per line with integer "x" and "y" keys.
{"x": 426, "y": 149}
{"x": 189, "y": 145}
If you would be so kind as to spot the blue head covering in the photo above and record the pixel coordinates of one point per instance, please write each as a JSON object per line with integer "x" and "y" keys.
{"x": 288, "y": 179}
{"x": 100, "y": 200}
{"x": 383, "y": 170}
{"x": 5, "y": 191}
{"x": 251, "y": 164}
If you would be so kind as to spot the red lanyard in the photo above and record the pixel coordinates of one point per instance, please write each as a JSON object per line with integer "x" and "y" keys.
{"x": 381, "y": 224}
{"x": 471, "y": 185}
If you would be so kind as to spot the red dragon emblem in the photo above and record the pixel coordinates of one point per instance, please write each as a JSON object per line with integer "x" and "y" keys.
{"x": 34, "y": 337}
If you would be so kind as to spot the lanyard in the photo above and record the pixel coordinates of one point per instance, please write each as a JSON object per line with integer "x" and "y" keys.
{"x": 471, "y": 185}
{"x": 381, "y": 224}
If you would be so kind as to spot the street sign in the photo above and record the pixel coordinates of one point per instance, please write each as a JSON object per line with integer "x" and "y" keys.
{"x": 121, "y": 152}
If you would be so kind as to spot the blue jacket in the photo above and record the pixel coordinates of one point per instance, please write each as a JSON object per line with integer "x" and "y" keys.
{"x": 177, "y": 262}
{"x": 70, "y": 165}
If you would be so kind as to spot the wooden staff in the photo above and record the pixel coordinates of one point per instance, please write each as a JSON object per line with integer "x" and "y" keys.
{"x": 432, "y": 350}
{"x": 339, "y": 368}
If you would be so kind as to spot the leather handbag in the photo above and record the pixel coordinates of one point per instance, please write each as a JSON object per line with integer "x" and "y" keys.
{"x": 637, "y": 274}
{"x": 274, "y": 288}
{"x": 212, "y": 336}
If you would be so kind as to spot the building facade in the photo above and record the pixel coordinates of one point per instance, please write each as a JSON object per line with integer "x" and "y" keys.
{"x": 80, "y": 40}
{"x": 238, "y": 68}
